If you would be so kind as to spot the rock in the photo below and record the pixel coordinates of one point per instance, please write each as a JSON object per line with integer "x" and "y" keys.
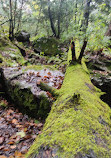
{"x": 22, "y": 89}
{"x": 22, "y": 36}
{"x": 100, "y": 67}
{"x": 24, "y": 92}
{"x": 50, "y": 46}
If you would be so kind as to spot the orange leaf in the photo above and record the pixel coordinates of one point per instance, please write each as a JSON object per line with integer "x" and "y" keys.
{"x": 49, "y": 94}
{"x": 2, "y": 156}
{"x": 14, "y": 121}
{"x": 13, "y": 146}
{"x": 1, "y": 140}
{"x": 11, "y": 142}
{"x": 17, "y": 154}
{"x": 49, "y": 73}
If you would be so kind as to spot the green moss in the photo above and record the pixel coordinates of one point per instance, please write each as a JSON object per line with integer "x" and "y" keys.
{"x": 50, "y": 46}
{"x": 10, "y": 54}
{"x": 79, "y": 122}
{"x": 39, "y": 67}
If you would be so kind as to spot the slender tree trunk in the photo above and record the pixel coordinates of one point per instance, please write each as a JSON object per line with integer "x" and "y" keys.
{"x": 86, "y": 14}
{"x": 11, "y": 31}
{"x": 85, "y": 24}
{"x": 75, "y": 12}
{"x": 73, "y": 51}
{"x": 15, "y": 8}
{"x": 82, "y": 50}
{"x": 59, "y": 18}
{"x": 20, "y": 16}
{"x": 51, "y": 20}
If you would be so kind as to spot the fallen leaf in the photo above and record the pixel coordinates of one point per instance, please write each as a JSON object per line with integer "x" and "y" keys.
{"x": 6, "y": 149}
{"x": 24, "y": 150}
{"x": 17, "y": 154}
{"x": 2, "y": 147}
{"x": 49, "y": 94}
{"x": 2, "y": 156}
{"x": 13, "y": 146}
{"x": 1, "y": 140}
{"x": 14, "y": 121}
{"x": 38, "y": 74}
{"x": 39, "y": 125}
{"x": 21, "y": 133}
{"x": 12, "y": 142}
{"x": 49, "y": 73}
{"x": 38, "y": 82}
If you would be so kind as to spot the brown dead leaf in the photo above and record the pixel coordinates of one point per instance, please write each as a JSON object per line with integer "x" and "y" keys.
{"x": 17, "y": 154}
{"x": 39, "y": 125}
{"x": 13, "y": 146}
{"x": 11, "y": 157}
{"x": 49, "y": 73}
{"x": 6, "y": 149}
{"x": 2, "y": 147}
{"x": 2, "y": 140}
{"x": 38, "y": 74}
{"x": 14, "y": 121}
{"x": 2, "y": 156}
{"x": 49, "y": 94}
{"x": 38, "y": 82}
{"x": 11, "y": 142}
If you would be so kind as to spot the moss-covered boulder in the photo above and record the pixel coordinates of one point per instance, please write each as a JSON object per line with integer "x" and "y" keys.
{"x": 22, "y": 36}
{"x": 50, "y": 46}
{"x": 10, "y": 55}
{"x": 23, "y": 87}
{"x": 79, "y": 124}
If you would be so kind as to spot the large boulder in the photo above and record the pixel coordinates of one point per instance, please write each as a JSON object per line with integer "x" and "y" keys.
{"x": 100, "y": 69}
{"x": 22, "y": 36}
{"x": 50, "y": 46}
{"x": 21, "y": 85}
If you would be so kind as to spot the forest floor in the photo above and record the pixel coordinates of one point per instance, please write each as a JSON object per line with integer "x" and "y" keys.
{"x": 17, "y": 131}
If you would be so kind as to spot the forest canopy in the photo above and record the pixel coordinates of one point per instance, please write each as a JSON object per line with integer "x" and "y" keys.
{"x": 62, "y": 19}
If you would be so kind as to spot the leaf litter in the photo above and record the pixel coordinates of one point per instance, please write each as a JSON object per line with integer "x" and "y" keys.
{"x": 17, "y": 131}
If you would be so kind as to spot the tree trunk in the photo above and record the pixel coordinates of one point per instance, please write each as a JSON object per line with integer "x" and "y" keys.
{"x": 15, "y": 8}
{"x": 59, "y": 18}
{"x": 11, "y": 31}
{"x": 51, "y": 20}
{"x": 20, "y": 16}
{"x": 73, "y": 51}
{"x": 82, "y": 50}
{"x": 79, "y": 123}
{"x": 75, "y": 11}
{"x": 86, "y": 14}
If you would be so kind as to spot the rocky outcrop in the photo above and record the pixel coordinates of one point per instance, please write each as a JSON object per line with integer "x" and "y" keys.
{"x": 22, "y": 36}
{"x": 22, "y": 87}
{"x": 50, "y": 46}
{"x": 100, "y": 69}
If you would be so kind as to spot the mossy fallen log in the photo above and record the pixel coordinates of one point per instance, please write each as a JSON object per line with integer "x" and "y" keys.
{"x": 79, "y": 124}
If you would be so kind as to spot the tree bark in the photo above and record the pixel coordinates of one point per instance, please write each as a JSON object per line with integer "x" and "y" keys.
{"x": 15, "y": 8}
{"x": 86, "y": 14}
{"x": 51, "y": 20}
{"x": 11, "y": 31}
{"x": 82, "y": 50}
{"x": 79, "y": 122}
{"x": 59, "y": 18}
{"x": 73, "y": 51}
{"x": 20, "y": 16}
{"x": 75, "y": 11}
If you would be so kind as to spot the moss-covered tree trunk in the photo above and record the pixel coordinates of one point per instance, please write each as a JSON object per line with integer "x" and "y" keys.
{"x": 79, "y": 124}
